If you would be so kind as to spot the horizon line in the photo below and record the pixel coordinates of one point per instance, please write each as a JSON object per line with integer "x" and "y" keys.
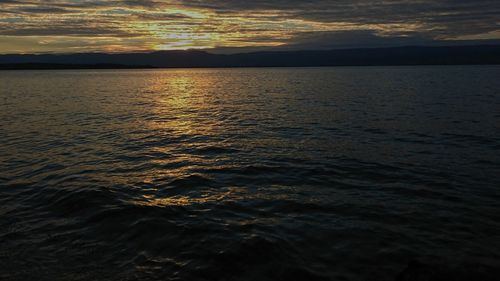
{"x": 274, "y": 49}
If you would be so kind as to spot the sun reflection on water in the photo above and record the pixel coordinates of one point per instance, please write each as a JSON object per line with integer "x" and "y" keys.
{"x": 183, "y": 200}
{"x": 181, "y": 122}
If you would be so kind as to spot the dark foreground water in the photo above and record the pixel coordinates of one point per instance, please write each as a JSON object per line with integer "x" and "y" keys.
{"x": 248, "y": 174}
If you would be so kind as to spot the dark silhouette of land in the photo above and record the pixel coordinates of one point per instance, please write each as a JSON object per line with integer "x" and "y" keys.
{"x": 452, "y": 55}
{"x": 41, "y": 66}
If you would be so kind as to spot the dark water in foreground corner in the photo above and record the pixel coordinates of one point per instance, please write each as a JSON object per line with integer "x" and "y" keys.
{"x": 247, "y": 174}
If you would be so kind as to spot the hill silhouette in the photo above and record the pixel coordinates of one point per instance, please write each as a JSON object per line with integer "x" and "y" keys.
{"x": 452, "y": 55}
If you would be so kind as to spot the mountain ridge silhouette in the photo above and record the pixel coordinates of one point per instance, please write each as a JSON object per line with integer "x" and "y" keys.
{"x": 410, "y": 55}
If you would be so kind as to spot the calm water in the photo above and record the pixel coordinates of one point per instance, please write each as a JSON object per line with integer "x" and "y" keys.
{"x": 247, "y": 174}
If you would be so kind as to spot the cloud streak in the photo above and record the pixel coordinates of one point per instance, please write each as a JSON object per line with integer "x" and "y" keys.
{"x": 117, "y": 25}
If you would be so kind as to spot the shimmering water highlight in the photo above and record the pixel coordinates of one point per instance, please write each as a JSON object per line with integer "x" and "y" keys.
{"x": 247, "y": 174}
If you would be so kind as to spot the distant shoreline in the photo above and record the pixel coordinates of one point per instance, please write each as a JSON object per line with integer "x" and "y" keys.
{"x": 396, "y": 56}
{"x": 51, "y": 66}
{"x": 13, "y": 67}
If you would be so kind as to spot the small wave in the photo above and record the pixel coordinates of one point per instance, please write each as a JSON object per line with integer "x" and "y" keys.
{"x": 211, "y": 150}
{"x": 191, "y": 181}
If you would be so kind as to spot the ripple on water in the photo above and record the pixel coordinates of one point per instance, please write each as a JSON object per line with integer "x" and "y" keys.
{"x": 249, "y": 174}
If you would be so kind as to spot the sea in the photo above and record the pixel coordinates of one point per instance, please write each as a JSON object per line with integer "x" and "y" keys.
{"x": 341, "y": 173}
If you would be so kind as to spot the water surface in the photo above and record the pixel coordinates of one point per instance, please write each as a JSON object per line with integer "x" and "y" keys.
{"x": 247, "y": 174}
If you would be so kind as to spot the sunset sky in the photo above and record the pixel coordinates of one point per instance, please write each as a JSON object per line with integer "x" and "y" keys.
{"x": 35, "y": 26}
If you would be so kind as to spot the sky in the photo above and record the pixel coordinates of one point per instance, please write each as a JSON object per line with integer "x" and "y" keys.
{"x": 73, "y": 26}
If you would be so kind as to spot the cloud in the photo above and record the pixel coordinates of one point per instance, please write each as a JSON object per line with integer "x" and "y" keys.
{"x": 257, "y": 23}
{"x": 352, "y": 39}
